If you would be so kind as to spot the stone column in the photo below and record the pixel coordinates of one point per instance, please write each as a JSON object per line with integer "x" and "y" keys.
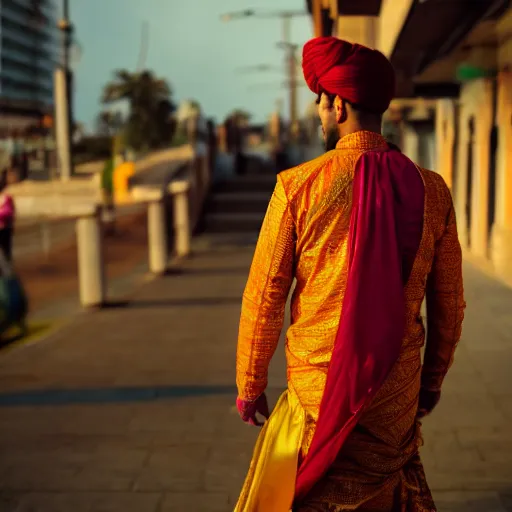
{"x": 476, "y": 103}
{"x": 483, "y": 98}
{"x": 461, "y": 190}
{"x": 501, "y": 244}
{"x": 358, "y": 29}
{"x": 411, "y": 142}
{"x": 445, "y": 140}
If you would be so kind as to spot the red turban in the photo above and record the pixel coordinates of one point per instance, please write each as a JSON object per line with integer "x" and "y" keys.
{"x": 358, "y": 74}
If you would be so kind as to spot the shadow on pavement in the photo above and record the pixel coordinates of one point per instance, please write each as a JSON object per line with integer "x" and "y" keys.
{"x": 108, "y": 395}
{"x": 156, "y": 303}
{"x": 51, "y": 397}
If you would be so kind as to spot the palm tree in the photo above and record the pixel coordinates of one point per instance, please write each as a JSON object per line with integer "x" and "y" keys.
{"x": 136, "y": 87}
{"x": 109, "y": 123}
{"x": 149, "y": 99}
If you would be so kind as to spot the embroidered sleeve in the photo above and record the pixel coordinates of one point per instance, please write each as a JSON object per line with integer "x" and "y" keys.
{"x": 445, "y": 307}
{"x": 265, "y": 296}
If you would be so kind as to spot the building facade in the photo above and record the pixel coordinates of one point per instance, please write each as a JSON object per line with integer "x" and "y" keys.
{"x": 28, "y": 53}
{"x": 456, "y": 57}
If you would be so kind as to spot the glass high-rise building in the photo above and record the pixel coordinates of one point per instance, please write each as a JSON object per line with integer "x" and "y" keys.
{"x": 29, "y": 39}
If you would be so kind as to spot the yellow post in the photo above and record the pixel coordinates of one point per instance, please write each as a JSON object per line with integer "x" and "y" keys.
{"x": 121, "y": 180}
{"x": 123, "y": 171}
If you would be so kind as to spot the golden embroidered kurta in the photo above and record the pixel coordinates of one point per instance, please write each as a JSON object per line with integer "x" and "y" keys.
{"x": 304, "y": 236}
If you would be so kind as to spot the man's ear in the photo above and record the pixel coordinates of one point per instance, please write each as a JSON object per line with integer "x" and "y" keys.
{"x": 340, "y": 109}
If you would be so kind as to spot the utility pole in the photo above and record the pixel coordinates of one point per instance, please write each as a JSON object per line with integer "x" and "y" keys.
{"x": 317, "y": 18}
{"x": 293, "y": 84}
{"x": 291, "y": 65}
{"x": 62, "y": 98}
{"x": 279, "y": 106}
{"x": 290, "y": 48}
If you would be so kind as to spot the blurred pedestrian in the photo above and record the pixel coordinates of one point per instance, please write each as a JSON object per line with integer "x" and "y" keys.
{"x": 13, "y": 299}
{"x": 24, "y": 155}
{"x": 7, "y": 217}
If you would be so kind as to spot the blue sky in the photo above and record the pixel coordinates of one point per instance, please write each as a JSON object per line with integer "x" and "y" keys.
{"x": 191, "y": 47}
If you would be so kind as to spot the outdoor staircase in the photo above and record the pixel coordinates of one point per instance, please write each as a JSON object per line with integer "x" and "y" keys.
{"x": 238, "y": 205}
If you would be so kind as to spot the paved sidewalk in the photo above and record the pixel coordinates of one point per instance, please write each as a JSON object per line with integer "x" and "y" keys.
{"x": 131, "y": 408}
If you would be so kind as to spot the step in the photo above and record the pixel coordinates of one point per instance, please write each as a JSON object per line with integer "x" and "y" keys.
{"x": 246, "y": 186}
{"x": 248, "y": 183}
{"x": 239, "y": 202}
{"x": 233, "y": 222}
{"x": 233, "y": 239}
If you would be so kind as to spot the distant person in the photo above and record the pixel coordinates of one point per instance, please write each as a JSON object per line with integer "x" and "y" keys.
{"x": 366, "y": 235}
{"x": 7, "y": 217}
{"x": 235, "y": 142}
{"x": 281, "y": 158}
{"x": 5, "y": 154}
{"x": 10, "y": 149}
{"x": 212, "y": 144}
{"x": 15, "y": 149}
{"x": 24, "y": 155}
{"x": 13, "y": 299}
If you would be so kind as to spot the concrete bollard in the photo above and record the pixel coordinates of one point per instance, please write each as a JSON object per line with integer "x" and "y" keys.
{"x": 157, "y": 237}
{"x": 91, "y": 270}
{"x": 179, "y": 191}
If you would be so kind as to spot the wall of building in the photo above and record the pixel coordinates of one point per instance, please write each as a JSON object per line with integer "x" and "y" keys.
{"x": 479, "y": 171}
{"x": 358, "y": 29}
{"x": 393, "y": 14}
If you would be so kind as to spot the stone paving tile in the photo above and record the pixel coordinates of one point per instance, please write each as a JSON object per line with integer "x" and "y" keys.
{"x": 80, "y": 502}
{"x": 227, "y": 467}
{"x": 506, "y": 500}
{"x": 468, "y": 439}
{"x": 177, "y": 468}
{"x": 197, "y": 502}
{"x": 133, "y": 408}
{"x": 469, "y": 502}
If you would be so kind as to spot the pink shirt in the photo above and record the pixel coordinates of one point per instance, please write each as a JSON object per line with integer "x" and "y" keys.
{"x": 7, "y": 211}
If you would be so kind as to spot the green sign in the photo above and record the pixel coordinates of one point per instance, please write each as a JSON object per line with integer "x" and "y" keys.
{"x": 468, "y": 72}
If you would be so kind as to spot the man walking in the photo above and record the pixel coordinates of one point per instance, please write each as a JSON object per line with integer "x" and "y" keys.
{"x": 367, "y": 235}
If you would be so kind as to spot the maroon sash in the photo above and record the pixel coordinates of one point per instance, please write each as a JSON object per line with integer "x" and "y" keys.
{"x": 372, "y": 321}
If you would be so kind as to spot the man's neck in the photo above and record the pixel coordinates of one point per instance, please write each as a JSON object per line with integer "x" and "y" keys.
{"x": 358, "y": 127}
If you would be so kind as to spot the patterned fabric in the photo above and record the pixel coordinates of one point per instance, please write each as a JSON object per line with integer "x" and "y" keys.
{"x": 385, "y": 233}
{"x": 304, "y": 235}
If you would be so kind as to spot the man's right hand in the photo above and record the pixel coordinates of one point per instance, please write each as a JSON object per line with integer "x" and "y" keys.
{"x": 248, "y": 410}
{"x": 427, "y": 401}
